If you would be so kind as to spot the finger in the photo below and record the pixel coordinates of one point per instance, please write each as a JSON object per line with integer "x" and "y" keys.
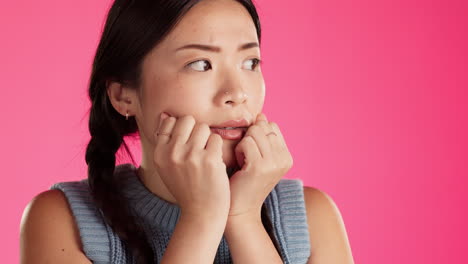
{"x": 182, "y": 130}
{"x": 199, "y": 137}
{"x": 262, "y": 121}
{"x": 162, "y": 117}
{"x": 261, "y": 117}
{"x": 164, "y": 133}
{"x": 263, "y": 143}
{"x": 279, "y": 139}
{"x": 247, "y": 151}
{"x": 215, "y": 144}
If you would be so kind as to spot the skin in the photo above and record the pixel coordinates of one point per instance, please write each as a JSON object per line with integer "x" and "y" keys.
{"x": 232, "y": 88}
{"x": 172, "y": 86}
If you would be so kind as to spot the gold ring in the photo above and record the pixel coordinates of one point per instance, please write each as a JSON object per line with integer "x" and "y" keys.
{"x": 163, "y": 134}
{"x": 272, "y": 133}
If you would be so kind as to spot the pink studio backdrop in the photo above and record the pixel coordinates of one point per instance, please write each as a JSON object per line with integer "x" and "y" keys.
{"x": 371, "y": 97}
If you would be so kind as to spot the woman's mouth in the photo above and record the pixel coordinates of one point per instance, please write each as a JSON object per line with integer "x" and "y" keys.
{"x": 232, "y": 133}
{"x": 234, "y": 129}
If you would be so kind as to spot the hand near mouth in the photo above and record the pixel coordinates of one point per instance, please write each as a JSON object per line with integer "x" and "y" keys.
{"x": 188, "y": 158}
{"x": 264, "y": 159}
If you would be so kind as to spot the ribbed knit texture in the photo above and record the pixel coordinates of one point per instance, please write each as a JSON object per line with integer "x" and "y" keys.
{"x": 285, "y": 208}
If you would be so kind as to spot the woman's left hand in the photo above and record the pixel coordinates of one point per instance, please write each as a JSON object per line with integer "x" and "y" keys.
{"x": 264, "y": 159}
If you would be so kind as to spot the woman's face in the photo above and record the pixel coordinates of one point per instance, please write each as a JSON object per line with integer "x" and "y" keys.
{"x": 215, "y": 82}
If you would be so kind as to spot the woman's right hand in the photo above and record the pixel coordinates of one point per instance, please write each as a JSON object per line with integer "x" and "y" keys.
{"x": 196, "y": 176}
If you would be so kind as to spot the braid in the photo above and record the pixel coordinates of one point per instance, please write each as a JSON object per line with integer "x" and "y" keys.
{"x": 106, "y": 138}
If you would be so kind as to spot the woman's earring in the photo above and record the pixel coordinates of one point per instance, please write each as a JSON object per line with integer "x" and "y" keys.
{"x": 126, "y": 115}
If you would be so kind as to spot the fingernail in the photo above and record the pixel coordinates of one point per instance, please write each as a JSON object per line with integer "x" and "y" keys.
{"x": 162, "y": 117}
{"x": 261, "y": 116}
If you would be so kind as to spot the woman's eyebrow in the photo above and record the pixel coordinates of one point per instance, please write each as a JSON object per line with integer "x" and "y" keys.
{"x": 215, "y": 48}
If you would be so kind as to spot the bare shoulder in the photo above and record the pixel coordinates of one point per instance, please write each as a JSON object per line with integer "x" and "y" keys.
{"x": 48, "y": 231}
{"x": 328, "y": 237}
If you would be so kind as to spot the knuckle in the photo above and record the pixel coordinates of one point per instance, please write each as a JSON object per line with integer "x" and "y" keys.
{"x": 192, "y": 159}
{"x": 173, "y": 157}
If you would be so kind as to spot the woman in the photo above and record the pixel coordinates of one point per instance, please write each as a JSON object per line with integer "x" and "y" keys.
{"x": 185, "y": 77}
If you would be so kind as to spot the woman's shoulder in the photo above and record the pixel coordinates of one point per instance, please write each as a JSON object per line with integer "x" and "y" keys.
{"x": 328, "y": 236}
{"x": 49, "y": 232}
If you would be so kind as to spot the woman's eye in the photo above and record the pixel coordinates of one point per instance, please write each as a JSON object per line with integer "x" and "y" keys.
{"x": 204, "y": 65}
{"x": 253, "y": 63}
{"x": 200, "y": 65}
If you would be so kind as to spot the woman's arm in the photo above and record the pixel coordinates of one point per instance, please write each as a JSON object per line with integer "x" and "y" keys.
{"x": 249, "y": 242}
{"x": 49, "y": 233}
{"x": 328, "y": 238}
{"x": 195, "y": 239}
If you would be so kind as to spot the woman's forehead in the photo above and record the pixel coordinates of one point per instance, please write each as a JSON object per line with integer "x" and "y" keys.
{"x": 214, "y": 22}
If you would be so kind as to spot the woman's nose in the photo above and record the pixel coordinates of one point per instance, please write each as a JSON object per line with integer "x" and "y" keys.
{"x": 234, "y": 96}
{"x": 231, "y": 91}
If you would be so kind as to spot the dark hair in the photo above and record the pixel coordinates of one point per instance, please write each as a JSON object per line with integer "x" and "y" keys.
{"x": 132, "y": 30}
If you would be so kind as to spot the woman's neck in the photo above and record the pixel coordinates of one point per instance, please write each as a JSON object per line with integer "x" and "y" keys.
{"x": 153, "y": 182}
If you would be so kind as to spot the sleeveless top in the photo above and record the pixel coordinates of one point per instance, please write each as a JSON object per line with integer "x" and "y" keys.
{"x": 285, "y": 208}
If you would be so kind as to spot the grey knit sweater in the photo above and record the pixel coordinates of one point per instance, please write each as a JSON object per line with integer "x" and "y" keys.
{"x": 285, "y": 208}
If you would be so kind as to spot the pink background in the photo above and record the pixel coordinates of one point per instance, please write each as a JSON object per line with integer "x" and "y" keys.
{"x": 371, "y": 97}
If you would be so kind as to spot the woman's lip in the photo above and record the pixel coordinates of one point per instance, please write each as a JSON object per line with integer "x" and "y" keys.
{"x": 232, "y": 134}
{"x": 233, "y": 123}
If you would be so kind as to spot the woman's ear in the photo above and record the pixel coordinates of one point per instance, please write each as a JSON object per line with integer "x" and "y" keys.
{"x": 122, "y": 98}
